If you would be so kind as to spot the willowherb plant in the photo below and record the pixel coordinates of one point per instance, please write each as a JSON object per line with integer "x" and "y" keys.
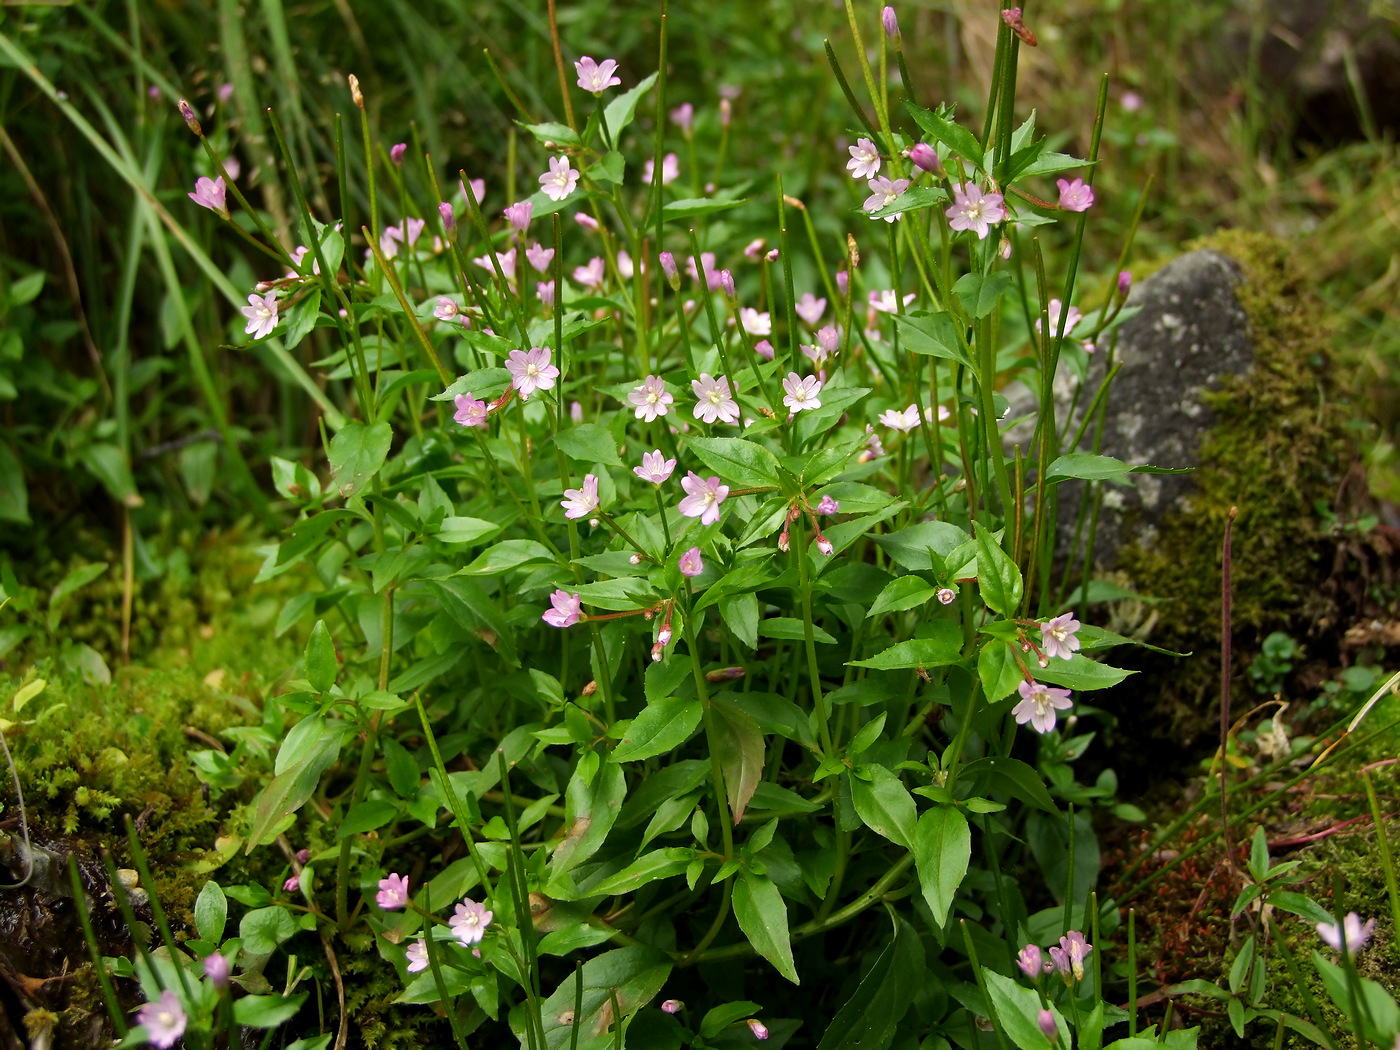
{"x": 714, "y": 618}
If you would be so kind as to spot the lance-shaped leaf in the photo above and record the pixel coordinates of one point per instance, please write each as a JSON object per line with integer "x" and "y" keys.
{"x": 884, "y": 804}
{"x": 745, "y": 464}
{"x": 997, "y": 576}
{"x": 357, "y": 452}
{"x": 616, "y": 985}
{"x": 659, "y": 728}
{"x": 741, "y": 754}
{"x": 762, "y": 915}
{"x": 590, "y": 811}
{"x": 942, "y": 851}
{"x": 869, "y": 1019}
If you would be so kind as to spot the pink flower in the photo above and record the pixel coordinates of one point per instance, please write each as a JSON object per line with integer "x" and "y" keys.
{"x": 1057, "y": 636}
{"x": 292, "y": 884}
{"x": 824, "y": 545}
{"x": 478, "y": 189}
{"x": 1053, "y": 309}
{"x": 703, "y": 497}
{"x": 683, "y": 116}
{"x": 755, "y": 247}
{"x": 883, "y": 192}
{"x": 925, "y": 157}
{"x": 448, "y": 216}
{"x": 164, "y": 1020}
{"x": 668, "y": 267}
{"x": 1038, "y": 706}
{"x": 802, "y": 393}
{"x": 1045, "y": 1021}
{"x": 974, "y": 210}
{"x": 593, "y": 275}
{"x": 1125, "y": 283}
{"x": 209, "y": 193}
{"x": 651, "y": 399}
{"x": 596, "y": 77}
{"x": 261, "y": 312}
{"x": 946, "y": 596}
{"x": 707, "y": 263}
{"x": 828, "y": 338}
{"x": 216, "y": 969}
{"x": 891, "y": 23}
{"x": 758, "y": 1028}
{"x": 470, "y": 411}
{"x": 579, "y": 503}
{"x": 670, "y": 169}
{"x": 1031, "y": 962}
{"x": 901, "y": 421}
{"x": 843, "y": 282}
{"x": 539, "y": 256}
{"x": 713, "y": 400}
{"x": 764, "y": 349}
{"x": 566, "y": 609}
{"x": 726, "y": 283}
{"x": 417, "y": 956}
{"x": 1075, "y": 196}
{"x": 1068, "y": 957}
{"x": 691, "y": 564}
{"x": 885, "y": 302}
{"x": 518, "y": 215}
{"x": 396, "y": 152}
{"x": 446, "y": 309}
{"x": 587, "y": 221}
{"x": 393, "y": 892}
{"x": 810, "y": 308}
{"x": 469, "y": 922}
{"x": 625, "y": 269}
{"x": 672, "y": 1006}
{"x": 559, "y": 181}
{"x": 530, "y": 370}
{"x": 1130, "y": 101}
{"x": 1354, "y": 933}
{"x": 827, "y": 505}
{"x": 756, "y": 323}
{"x": 655, "y": 467}
{"x": 545, "y": 291}
{"x": 865, "y": 160}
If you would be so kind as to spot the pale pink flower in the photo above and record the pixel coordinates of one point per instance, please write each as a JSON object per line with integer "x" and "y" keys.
{"x": 470, "y": 411}
{"x": 1075, "y": 196}
{"x": 478, "y": 189}
{"x": 1031, "y": 961}
{"x": 209, "y": 193}
{"x": 764, "y": 349}
{"x": 670, "y": 169}
{"x": 668, "y": 267}
{"x": 164, "y": 1020}
{"x": 1353, "y": 932}
{"x": 827, "y": 505}
{"x": 885, "y": 302}
{"x": 1053, "y": 309}
{"x": 530, "y": 370}
{"x": 565, "y": 611}
{"x": 1057, "y": 636}
{"x": 518, "y": 215}
{"x": 707, "y": 263}
{"x": 810, "y": 308}
{"x": 261, "y": 312}
{"x": 1130, "y": 101}
{"x": 703, "y": 497}
{"x": 974, "y": 210}
{"x": 580, "y": 503}
{"x": 545, "y": 291}
{"x": 672, "y": 1006}
{"x": 726, "y": 283}
{"x": 1038, "y": 706}
{"x": 447, "y": 215}
{"x": 690, "y": 563}
{"x": 946, "y": 596}
{"x": 713, "y": 400}
{"x": 655, "y": 467}
{"x": 683, "y": 116}
{"x": 559, "y": 181}
{"x": 1045, "y": 1021}
{"x": 890, "y": 21}
{"x": 417, "y": 956}
{"x": 865, "y": 160}
{"x": 625, "y": 269}
{"x": 884, "y": 192}
{"x": 539, "y": 257}
{"x": 393, "y": 892}
{"x": 756, "y": 323}
{"x": 815, "y": 354}
{"x": 506, "y": 260}
{"x": 593, "y": 275}
{"x": 596, "y": 77}
{"x": 824, "y": 545}
{"x": 1068, "y": 957}
{"x": 901, "y": 421}
{"x": 802, "y": 393}
{"x": 828, "y": 338}
{"x": 396, "y": 152}
{"x": 874, "y": 447}
{"x": 216, "y": 969}
{"x": 587, "y": 221}
{"x": 651, "y": 399}
{"x": 755, "y": 247}
{"x": 758, "y": 1028}
{"x": 445, "y": 309}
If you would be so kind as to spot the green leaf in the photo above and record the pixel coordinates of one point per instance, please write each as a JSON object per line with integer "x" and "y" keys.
{"x": 718, "y": 1018}
{"x": 1081, "y": 673}
{"x": 368, "y": 815}
{"x": 108, "y": 464}
{"x": 923, "y": 546}
{"x": 401, "y": 767}
{"x": 211, "y": 912}
{"x": 26, "y": 289}
{"x": 14, "y": 493}
{"x": 301, "y": 318}
{"x": 620, "y": 111}
{"x": 740, "y": 614}
{"x": 288, "y": 791}
{"x": 616, "y": 984}
{"x": 1380, "y": 1017}
{"x": 998, "y": 669}
{"x": 266, "y": 1011}
{"x": 658, "y": 864}
{"x": 998, "y": 579}
{"x": 692, "y": 206}
{"x": 320, "y": 659}
{"x": 934, "y": 335}
{"x": 609, "y": 169}
{"x": 916, "y": 199}
{"x": 1088, "y": 467}
{"x": 743, "y": 464}
{"x": 1018, "y": 1008}
{"x": 263, "y": 929}
{"x": 741, "y": 754}
{"x": 1301, "y": 905}
{"x": 954, "y": 136}
{"x": 791, "y": 629}
{"x": 904, "y": 592}
{"x": 357, "y": 452}
{"x": 589, "y": 443}
{"x": 979, "y": 294}
{"x": 943, "y": 646}
{"x": 762, "y": 915}
{"x": 590, "y": 810}
{"x": 1010, "y": 775}
{"x": 507, "y": 555}
{"x": 549, "y": 134}
{"x": 870, "y": 1018}
{"x": 884, "y": 805}
{"x": 660, "y": 727}
{"x": 466, "y": 530}
{"x": 942, "y": 851}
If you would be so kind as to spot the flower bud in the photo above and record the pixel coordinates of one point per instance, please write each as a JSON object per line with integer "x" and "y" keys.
{"x": 1004, "y": 248}
{"x": 1046, "y": 1021}
{"x": 772, "y": 256}
{"x": 925, "y": 157}
{"x": 754, "y": 247}
{"x": 946, "y": 595}
{"x": 449, "y": 218}
{"x": 783, "y": 542}
{"x": 726, "y": 283}
{"x": 396, "y": 152}
{"x": 291, "y": 885}
{"x": 1030, "y": 959}
{"x": 843, "y": 282}
{"x": 356, "y": 95}
{"x": 303, "y": 855}
{"x": 726, "y": 112}
{"x": 588, "y": 222}
{"x": 673, "y": 1006}
{"x": 725, "y": 674}
{"x": 663, "y": 636}
{"x": 216, "y": 968}
{"x": 891, "y": 23}
{"x": 824, "y": 545}
{"x": 191, "y": 121}
{"x": 668, "y": 267}
{"x": 1125, "y": 283}
{"x": 758, "y": 1028}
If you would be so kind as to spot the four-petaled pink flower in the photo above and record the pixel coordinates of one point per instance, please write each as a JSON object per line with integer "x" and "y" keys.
{"x": 164, "y": 1020}
{"x": 596, "y": 77}
{"x": 713, "y": 400}
{"x": 905, "y": 420}
{"x": 1038, "y": 706}
{"x": 209, "y": 193}
{"x": 1353, "y": 932}
{"x": 593, "y": 275}
{"x": 756, "y": 323}
{"x": 393, "y": 892}
{"x": 655, "y": 467}
{"x": 530, "y": 370}
{"x": 579, "y": 503}
{"x": 559, "y": 181}
{"x": 417, "y": 956}
{"x": 469, "y": 922}
{"x": 1075, "y": 196}
{"x": 261, "y": 312}
{"x": 539, "y": 256}
{"x": 883, "y": 192}
{"x": 974, "y": 210}
{"x": 445, "y": 309}
{"x": 1052, "y": 310}
{"x": 1067, "y": 958}
{"x": 683, "y": 116}
{"x": 802, "y": 392}
{"x": 651, "y": 399}
{"x": 670, "y": 169}
{"x": 470, "y": 411}
{"x": 810, "y": 308}
{"x": 886, "y": 302}
{"x": 1057, "y": 636}
{"x": 567, "y": 608}
{"x": 690, "y": 563}
{"x": 865, "y": 160}
{"x": 518, "y": 215}
{"x": 703, "y": 497}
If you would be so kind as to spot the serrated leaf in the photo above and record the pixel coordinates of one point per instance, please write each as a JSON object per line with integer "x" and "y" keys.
{"x": 741, "y": 463}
